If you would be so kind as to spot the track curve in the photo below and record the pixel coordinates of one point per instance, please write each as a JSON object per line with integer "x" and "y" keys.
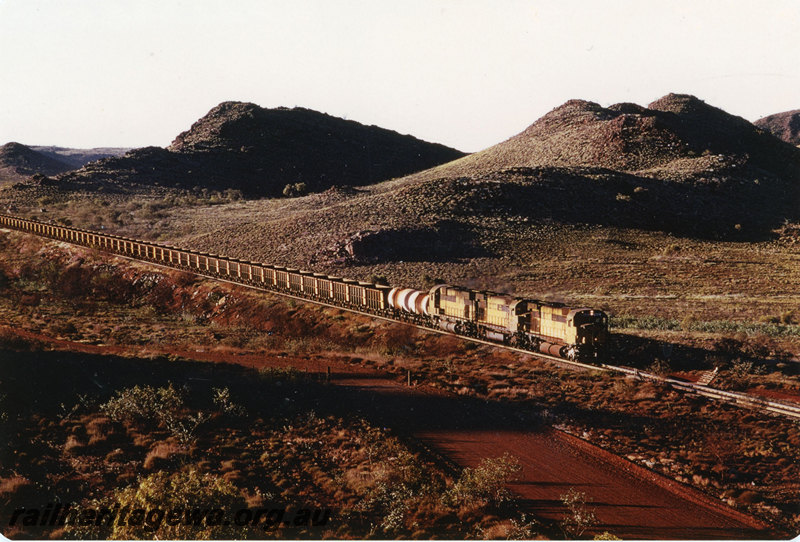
{"x": 129, "y": 248}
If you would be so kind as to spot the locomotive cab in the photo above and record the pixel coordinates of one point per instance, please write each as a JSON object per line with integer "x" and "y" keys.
{"x": 591, "y": 333}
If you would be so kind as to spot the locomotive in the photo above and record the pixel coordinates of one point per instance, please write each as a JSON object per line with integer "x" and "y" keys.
{"x": 549, "y": 328}
{"x": 537, "y": 326}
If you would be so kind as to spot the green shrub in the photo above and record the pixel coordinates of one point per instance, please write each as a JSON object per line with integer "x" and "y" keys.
{"x": 660, "y": 367}
{"x": 644, "y": 322}
{"x": 523, "y": 528}
{"x": 605, "y": 535}
{"x": 688, "y": 322}
{"x": 672, "y": 248}
{"x": 742, "y": 368}
{"x": 486, "y": 482}
{"x": 429, "y": 281}
{"x": 143, "y": 403}
{"x": 233, "y": 194}
{"x": 162, "y": 405}
{"x": 206, "y": 498}
{"x": 396, "y": 339}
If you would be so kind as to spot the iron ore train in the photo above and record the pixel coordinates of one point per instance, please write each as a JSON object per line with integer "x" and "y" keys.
{"x": 538, "y": 326}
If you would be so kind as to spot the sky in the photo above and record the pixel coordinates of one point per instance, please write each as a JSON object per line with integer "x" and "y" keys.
{"x": 467, "y": 73}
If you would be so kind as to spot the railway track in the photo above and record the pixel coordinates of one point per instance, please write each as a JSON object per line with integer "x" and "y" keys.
{"x": 125, "y": 248}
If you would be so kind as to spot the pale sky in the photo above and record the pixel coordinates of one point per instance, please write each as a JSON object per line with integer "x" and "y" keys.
{"x": 467, "y": 73}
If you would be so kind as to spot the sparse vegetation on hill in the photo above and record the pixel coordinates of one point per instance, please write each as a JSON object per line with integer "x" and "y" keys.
{"x": 680, "y": 165}
{"x": 19, "y": 162}
{"x": 633, "y": 139}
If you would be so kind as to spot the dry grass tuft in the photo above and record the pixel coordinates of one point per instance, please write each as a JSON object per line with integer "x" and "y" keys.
{"x": 99, "y": 429}
{"x": 74, "y": 445}
{"x": 162, "y": 455}
{"x": 13, "y": 485}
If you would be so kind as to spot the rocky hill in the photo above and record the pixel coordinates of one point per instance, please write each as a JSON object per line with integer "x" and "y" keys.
{"x": 677, "y": 137}
{"x": 678, "y": 166}
{"x": 18, "y": 161}
{"x": 259, "y": 151}
{"x": 784, "y": 125}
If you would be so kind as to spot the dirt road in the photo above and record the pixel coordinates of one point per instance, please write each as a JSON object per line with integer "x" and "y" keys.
{"x": 630, "y": 502}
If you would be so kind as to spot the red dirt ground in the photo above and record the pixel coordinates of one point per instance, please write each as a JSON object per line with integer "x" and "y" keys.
{"x": 631, "y": 502}
{"x": 780, "y": 395}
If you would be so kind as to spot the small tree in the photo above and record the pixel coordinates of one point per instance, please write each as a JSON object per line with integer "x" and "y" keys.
{"x": 223, "y": 401}
{"x": 579, "y": 516}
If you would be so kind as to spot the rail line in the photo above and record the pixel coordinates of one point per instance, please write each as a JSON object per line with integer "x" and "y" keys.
{"x": 131, "y": 249}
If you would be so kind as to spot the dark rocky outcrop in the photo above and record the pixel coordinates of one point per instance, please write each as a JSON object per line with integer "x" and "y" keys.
{"x": 443, "y": 241}
{"x": 18, "y": 161}
{"x": 259, "y": 151}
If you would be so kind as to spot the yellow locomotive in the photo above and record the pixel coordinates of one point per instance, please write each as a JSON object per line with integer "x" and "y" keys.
{"x": 550, "y": 328}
